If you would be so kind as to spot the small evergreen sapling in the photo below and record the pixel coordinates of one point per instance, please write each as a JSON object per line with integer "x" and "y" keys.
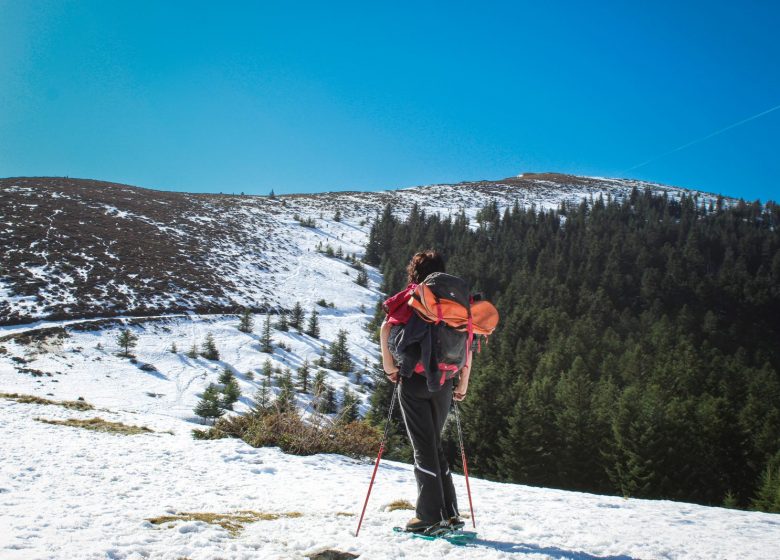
{"x": 313, "y": 328}
{"x": 230, "y": 394}
{"x": 282, "y": 324}
{"x": 209, "y": 405}
{"x": 265, "y": 342}
{"x": 303, "y": 376}
{"x": 126, "y": 340}
{"x": 226, "y": 376}
{"x": 329, "y": 402}
{"x": 285, "y": 400}
{"x": 262, "y": 399}
{"x": 209, "y": 349}
{"x": 246, "y": 324}
{"x": 318, "y": 386}
{"x": 296, "y": 318}
{"x": 339, "y": 353}
{"x": 268, "y": 371}
{"x": 349, "y": 406}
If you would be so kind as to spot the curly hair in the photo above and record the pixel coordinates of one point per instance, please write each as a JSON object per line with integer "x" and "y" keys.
{"x": 422, "y": 264}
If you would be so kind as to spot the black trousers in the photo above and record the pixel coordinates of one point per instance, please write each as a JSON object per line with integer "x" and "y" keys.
{"x": 424, "y": 415}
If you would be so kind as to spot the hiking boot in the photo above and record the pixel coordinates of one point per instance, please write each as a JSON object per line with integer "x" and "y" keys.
{"x": 456, "y": 523}
{"x": 415, "y": 525}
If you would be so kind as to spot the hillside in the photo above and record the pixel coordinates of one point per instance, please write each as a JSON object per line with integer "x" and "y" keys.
{"x": 84, "y": 260}
{"x": 72, "y": 248}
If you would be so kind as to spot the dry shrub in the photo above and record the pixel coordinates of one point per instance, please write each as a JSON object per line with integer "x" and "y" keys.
{"x": 32, "y": 399}
{"x": 356, "y": 439}
{"x": 99, "y": 425}
{"x": 294, "y": 435}
{"x": 399, "y": 504}
{"x": 233, "y": 523}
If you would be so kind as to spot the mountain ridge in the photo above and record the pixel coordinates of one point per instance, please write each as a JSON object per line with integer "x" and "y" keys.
{"x": 81, "y": 248}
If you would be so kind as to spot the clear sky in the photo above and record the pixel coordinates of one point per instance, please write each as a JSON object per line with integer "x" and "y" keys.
{"x": 316, "y": 96}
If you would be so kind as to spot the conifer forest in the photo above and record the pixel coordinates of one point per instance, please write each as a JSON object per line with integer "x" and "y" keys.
{"x": 638, "y": 351}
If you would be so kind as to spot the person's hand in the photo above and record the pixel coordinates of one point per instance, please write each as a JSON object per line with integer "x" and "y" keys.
{"x": 391, "y": 371}
{"x": 459, "y": 393}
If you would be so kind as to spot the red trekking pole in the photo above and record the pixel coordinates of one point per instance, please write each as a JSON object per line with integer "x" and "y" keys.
{"x": 465, "y": 465}
{"x": 379, "y": 456}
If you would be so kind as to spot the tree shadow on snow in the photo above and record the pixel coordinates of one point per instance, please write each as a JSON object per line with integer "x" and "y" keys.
{"x": 551, "y": 551}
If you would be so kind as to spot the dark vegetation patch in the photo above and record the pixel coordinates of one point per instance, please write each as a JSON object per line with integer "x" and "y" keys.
{"x": 637, "y": 352}
{"x": 99, "y": 425}
{"x": 161, "y": 245}
{"x": 289, "y": 432}
{"x": 44, "y": 334}
{"x": 79, "y": 404}
{"x": 233, "y": 523}
{"x": 399, "y": 504}
{"x": 331, "y": 554}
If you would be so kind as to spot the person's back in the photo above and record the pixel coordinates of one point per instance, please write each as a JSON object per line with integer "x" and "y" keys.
{"x": 424, "y": 411}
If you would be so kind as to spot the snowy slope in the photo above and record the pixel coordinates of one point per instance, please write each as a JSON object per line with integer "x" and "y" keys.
{"x": 74, "y": 248}
{"x": 70, "y": 493}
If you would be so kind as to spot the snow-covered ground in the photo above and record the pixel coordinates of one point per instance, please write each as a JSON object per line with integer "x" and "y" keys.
{"x": 66, "y": 492}
{"x": 70, "y": 493}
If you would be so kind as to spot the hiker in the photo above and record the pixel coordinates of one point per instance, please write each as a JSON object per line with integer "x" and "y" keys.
{"x": 424, "y": 406}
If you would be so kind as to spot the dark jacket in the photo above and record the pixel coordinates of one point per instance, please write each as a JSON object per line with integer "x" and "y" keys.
{"x": 411, "y": 344}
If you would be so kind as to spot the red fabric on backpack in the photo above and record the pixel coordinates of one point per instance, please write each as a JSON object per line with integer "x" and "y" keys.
{"x": 397, "y": 306}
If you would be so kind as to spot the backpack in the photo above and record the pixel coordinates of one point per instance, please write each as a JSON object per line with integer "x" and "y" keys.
{"x": 455, "y": 316}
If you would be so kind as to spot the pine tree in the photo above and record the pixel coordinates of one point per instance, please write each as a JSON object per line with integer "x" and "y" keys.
{"x": 296, "y": 317}
{"x": 262, "y": 399}
{"x": 226, "y": 376}
{"x": 349, "y": 406}
{"x": 313, "y": 328}
{"x": 282, "y": 324}
{"x": 246, "y": 323}
{"x": 303, "y": 376}
{"x": 126, "y": 340}
{"x": 265, "y": 341}
{"x": 209, "y": 349}
{"x": 173, "y": 348}
{"x": 327, "y": 403}
{"x": 230, "y": 394}
{"x": 318, "y": 386}
{"x": 268, "y": 370}
{"x": 362, "y": 278}
{"x": 576, "y": 424}
{"x": 209, "y": 405}
{"x": 193, "y": 351}
{"x": 337, "y": 215}
{"x": 249, "y": 375}
{"x": 768, "y": 495}
{"x": 340, "y": 359}
{"x": 285, "y": 400}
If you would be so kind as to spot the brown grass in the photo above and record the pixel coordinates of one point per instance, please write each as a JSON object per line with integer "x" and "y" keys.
{"x": 289, "y": 432}
{"x": 233, "y": 523}
{"x": 399, "y": 504}
{"x": 32, "y": 399}
{"x": 99, "y": 425}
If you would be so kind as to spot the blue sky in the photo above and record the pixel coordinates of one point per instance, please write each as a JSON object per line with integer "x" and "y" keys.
{"x": 316, "y": 96}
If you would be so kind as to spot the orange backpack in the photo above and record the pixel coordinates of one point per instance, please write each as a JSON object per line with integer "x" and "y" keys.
{"x": 443, "y": 299}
